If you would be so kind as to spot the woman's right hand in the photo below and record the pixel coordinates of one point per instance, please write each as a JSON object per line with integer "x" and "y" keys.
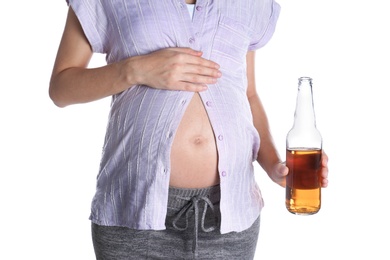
{"x": 172, "y": 69}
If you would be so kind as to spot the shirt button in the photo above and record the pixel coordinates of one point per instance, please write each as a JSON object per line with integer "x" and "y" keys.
{"x": 199, "y": 8}
{"x": 220, "y": 137}
{"x": 209, "y": 103}
{"x": 191, "y": 40}
{"x": 223, "y": 174}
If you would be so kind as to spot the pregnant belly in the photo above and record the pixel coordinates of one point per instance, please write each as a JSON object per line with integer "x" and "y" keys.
{"x": 194, "y": 156}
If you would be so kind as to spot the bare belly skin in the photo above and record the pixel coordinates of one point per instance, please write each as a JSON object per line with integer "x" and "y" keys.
{"x": 194, "y": 156}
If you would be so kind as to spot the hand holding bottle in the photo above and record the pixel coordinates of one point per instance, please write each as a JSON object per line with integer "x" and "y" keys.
{"x": 280, "y": 172}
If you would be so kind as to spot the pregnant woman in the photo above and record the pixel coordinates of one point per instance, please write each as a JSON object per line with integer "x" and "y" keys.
{"x": 176, "y": 178}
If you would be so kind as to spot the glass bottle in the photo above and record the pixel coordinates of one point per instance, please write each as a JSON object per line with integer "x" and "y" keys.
{"x": 303, "y": 155}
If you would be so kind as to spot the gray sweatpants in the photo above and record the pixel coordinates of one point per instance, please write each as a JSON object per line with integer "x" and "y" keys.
{"x": 193, "y": 222}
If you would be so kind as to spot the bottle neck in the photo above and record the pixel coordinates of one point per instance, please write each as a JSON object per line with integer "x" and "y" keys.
{"x": 304, "y": 111}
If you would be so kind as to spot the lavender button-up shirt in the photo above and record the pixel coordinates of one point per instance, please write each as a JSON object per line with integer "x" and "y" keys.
{"x": 133, "y": 181}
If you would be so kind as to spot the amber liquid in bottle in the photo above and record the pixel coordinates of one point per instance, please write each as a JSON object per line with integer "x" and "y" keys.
{"x": 303, "y": 190}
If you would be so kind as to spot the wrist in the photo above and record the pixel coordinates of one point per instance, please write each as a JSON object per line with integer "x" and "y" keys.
{"x": 128, "y": 72}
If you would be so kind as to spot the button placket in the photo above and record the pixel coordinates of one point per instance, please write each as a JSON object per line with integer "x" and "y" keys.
{"x": 197, "y": 24}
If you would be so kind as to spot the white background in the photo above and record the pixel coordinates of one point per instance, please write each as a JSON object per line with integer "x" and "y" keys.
{"x": 50, "y": 156}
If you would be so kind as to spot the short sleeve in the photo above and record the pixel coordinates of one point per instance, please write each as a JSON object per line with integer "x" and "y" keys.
{"x": 94, "y": 22}
{"x": 265, "y": 25}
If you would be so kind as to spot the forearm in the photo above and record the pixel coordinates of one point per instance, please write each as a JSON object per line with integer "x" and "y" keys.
{"x": 81, "y": 85}
{"x": 72, "y": 81}
{"x": 268, "y": 155}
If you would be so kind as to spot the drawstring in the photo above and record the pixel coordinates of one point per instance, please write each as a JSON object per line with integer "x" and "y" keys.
{"x": 194, "y": 204}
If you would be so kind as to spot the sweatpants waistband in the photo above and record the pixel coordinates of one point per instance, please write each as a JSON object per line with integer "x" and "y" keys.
{"x": 179, "y": 197}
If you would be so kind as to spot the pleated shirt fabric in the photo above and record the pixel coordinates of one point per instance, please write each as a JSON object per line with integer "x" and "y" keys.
{"x": 133, "y": 180}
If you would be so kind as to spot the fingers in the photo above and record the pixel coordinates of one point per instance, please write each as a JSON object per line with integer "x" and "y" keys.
{"x": 200, "y": 74}
{"x": 282, "y": 170}
{"x": 324, "y": 170}
{"x": 202, "y": 62}
{"x": 279, "y": 173}
{"x": 195, "y": 57}
{"x": 191, "y": 72}
{"x": 186, "y": 51}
